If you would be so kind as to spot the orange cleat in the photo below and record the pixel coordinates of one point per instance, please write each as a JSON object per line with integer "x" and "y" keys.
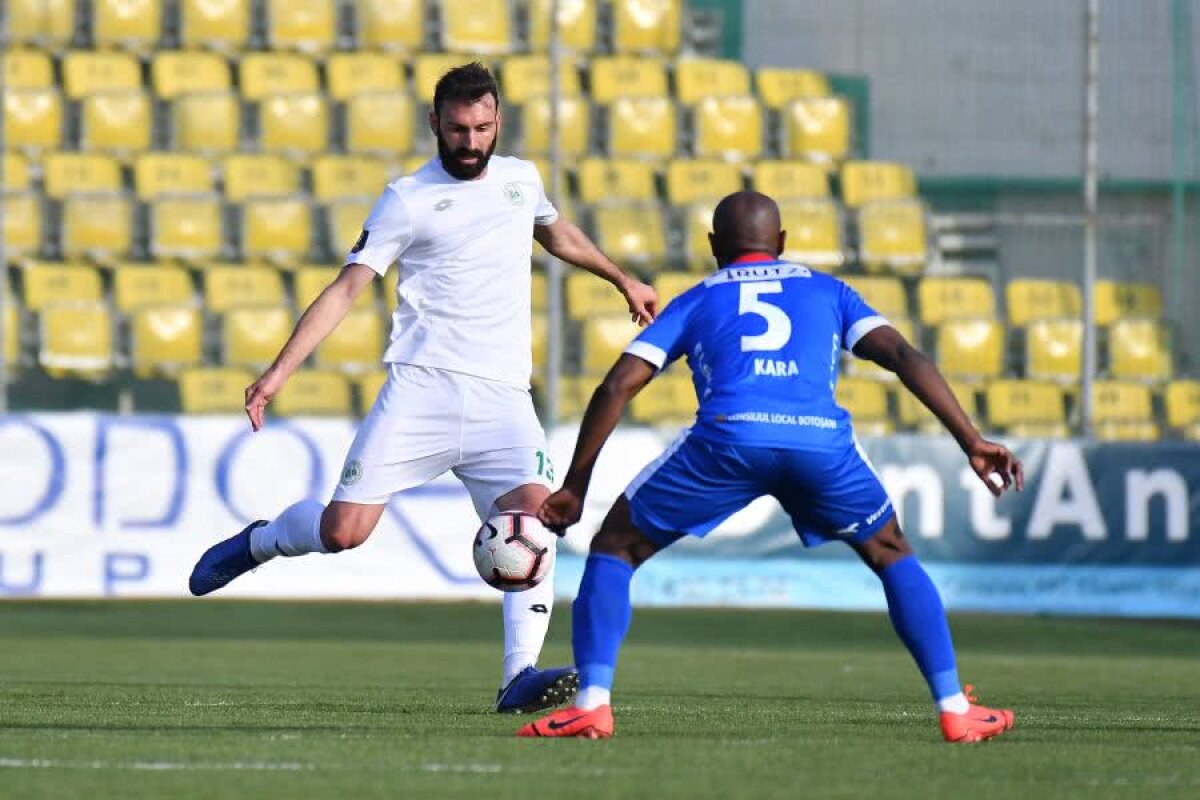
{"x": 572, "y": 721}
{"x": 977, "y": 724}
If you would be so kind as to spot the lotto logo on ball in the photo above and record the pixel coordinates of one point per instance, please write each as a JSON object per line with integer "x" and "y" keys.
{"x": 514, "y": 551}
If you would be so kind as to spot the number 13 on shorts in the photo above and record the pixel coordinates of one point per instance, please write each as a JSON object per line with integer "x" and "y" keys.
{"x": 544, "y": 468}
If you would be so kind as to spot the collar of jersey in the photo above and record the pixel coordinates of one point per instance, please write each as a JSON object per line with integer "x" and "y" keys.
{"x": 752, "y": 259}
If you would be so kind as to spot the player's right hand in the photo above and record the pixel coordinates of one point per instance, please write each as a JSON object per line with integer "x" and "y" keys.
{"x": 643, "y": 301}
{"x": 561, "y": 510}
{"x": 259, "y": 393}
{"x": 996, "y": 466}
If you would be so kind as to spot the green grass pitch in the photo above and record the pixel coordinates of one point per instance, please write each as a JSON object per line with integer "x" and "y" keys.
{"x": 213, "y": 699}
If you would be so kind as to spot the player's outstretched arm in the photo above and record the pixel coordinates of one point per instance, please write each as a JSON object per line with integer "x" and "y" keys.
{"x": 994, "y": 463}
{"x": 627, "y": 377}
{"x": 315, "y": 324}
{"x": 565, "y": 240}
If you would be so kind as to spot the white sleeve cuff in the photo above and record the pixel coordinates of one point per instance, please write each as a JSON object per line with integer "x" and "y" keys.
{"x": 861, "y": 329}
{"x": 647, "y": 352}
{"x": 368, "y": 259}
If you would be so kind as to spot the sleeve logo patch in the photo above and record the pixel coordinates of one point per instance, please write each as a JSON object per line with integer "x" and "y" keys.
{"x": 362, "y": 241}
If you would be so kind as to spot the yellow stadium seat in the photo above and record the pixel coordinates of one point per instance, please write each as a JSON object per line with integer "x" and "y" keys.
{"x": 379, "y": 123}
{"x": 884, "y": 294}
{"x": 12, "y": 336}
{"x": 66, "y": 173}
{"x": 642, "y": 126}
{"x": 22, "y": 221}
{"x": 345, "y": 223}
{"x": 891, "y": 235}
{"x": 604, "y": 339}
{"x": 14, "y": 173}
{"x": 971, "y": 349}
{"x": 574, "y": 393}
{"x": 1024, "y": 403}
{"x": 1122, "y": 411}
{"x": 913, "y": 413}
{"x": 817, "y": 129}
{"x": 396, "y": 25}
{"x": 356, "y": 344}
{"x": 1030, "y": 299}
{"x": 188, "y": 227}
{"x": 388, "y": 289}
{"x": 1054, "y": 350}
{"x": 99, "y": 226}
{"x": 866, "y": 181}
{"x": 165, "y": 339}
{"x": 261, "y": 75}
{"x": 728, "y": 127}
{"x": 132, "y": 24}
{"x": 814, "y": 233}
{"x": 603, "y": 179}
{"x": 177, "y": 72}
{"x": 222, "y": 25}
{"x": 76, "y": 339}
{"x": 368, "y": 385}
{"x": 26, "y": 69}
{"x": 777, "y": 86}
{"x": 573, "y": 125}
{"x": 669, "y": 398}
{"x": 348, "y": 74}
{"x": 33, "y": 119}
{"x": 613, "y": 77}
{"x": 861, "y": 367}
{"x": 646, "y": 26}
{"x": 335, "y": 177}
{"x": 940, "y": 299}
{"x": 230, "y": 287}
{"x": 476, "y": 26}
{"x": 698, "y": 78}
{"x": 310, "y": 281}
{"x": 587, "y": 296}
{"x": 138, "y": 286}
{"x": 670, "y": 285}
{"x": 252, "y": 337}
{"x": 697, "y": 225}
{"x": 309, "y": 26}
{"x": 576, "y": 25}
{"x": 525, "y": 77}
{"x": 867, "y": 402}
{"x": 1117, "y": 299}
{"x": 539, "y": 291}
{"x": 248, "y": 176}
{"x": 40, "y": 22}
{"x": 1182, "y": 399}
{"x": 691, "y": 181}
{"x": 295, "y": 124}
{"x": 631, "y": 233}
{"x": 790, "y": 180}
{"x": 44, "y": 284}
{"x": 428, "y": 68}
{"x": 1139, "y": 349}
{"x": 208, "y": 122}
{"x": 312, "y": 392}
{"x": 116, "y": 122}
{"x": 214, "y": 390}
{"x": 278, "y": 229}
{"x": 89, "y": 71}
{"x": 539, "y": 328}
{"x": 158, "y": 174}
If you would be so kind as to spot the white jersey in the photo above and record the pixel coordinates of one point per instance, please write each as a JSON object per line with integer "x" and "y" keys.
{"x": 464, "y": 251}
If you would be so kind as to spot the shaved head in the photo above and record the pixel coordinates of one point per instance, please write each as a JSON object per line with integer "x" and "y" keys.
{"x": 746, "y": 222}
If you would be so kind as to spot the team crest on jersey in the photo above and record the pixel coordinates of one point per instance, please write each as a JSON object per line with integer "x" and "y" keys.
{"x": 352, "y": 473}
{"x": 361, "y": 243}
{"x": 515, "y": 196}
{"x": 443, "y": 204}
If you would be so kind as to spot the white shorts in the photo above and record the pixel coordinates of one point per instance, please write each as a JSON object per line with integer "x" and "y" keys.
{"x": 428, "y": 421}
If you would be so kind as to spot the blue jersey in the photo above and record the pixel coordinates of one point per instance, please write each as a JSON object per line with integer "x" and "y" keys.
{"x": 763, "y": 340}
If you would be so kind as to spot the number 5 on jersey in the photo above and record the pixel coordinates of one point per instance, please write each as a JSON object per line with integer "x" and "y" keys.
{"x": 779, "y": 325}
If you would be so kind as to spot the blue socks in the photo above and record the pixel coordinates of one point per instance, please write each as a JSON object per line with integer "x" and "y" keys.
{"x": 920, "y": 620}
{"x": 600, "y": 618}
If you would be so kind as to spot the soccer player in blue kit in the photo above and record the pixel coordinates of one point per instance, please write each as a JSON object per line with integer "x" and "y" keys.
{"x": 763, "y": 340}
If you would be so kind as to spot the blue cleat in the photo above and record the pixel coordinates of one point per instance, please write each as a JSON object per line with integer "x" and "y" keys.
{"x": 223, "y": 562}
{"x": 536, "y": 690}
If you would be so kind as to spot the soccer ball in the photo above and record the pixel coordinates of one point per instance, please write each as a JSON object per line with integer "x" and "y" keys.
{"x": 514, "y": 551}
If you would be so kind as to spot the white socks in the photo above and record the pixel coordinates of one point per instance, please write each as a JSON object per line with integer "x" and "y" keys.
{"x": 526, "y": 620}
{"x": 590, "y": 698}
{"x": 293, "y": 533}
{"x": 955, "y": 704}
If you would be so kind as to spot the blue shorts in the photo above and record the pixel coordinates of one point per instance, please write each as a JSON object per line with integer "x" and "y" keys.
{"x": 696, "y": 484}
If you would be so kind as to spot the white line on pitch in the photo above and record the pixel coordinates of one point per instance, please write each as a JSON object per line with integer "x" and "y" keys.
{"x": 153, "y": 766}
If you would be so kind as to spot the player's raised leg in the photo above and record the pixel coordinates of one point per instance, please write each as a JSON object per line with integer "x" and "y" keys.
{"x": 917, "y": 614}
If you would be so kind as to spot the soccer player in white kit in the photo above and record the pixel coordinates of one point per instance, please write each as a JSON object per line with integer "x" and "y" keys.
{"x": 457, "y": 394}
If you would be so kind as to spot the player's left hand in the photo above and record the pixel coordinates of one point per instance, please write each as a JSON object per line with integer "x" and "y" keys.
{"x": 643, "y": 301}
{"x": 996, "y": 466}
{"x": 561, "y": 510}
